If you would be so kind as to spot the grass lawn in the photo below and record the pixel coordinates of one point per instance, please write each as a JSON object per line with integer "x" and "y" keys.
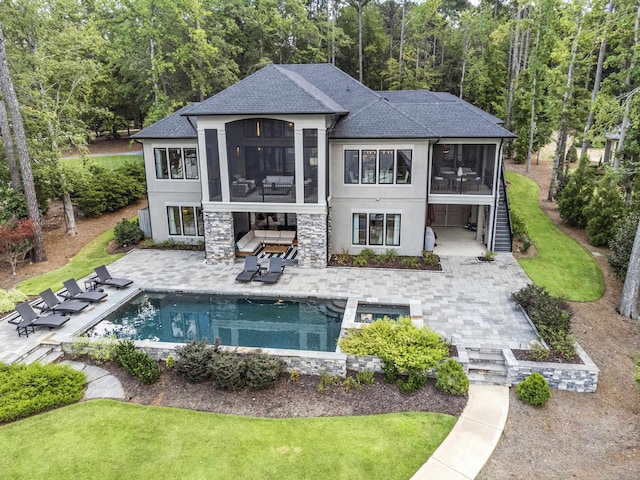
{"x": 562, "y": 266}
{"x": 111, "y": 161}
{"x": 91, "y": 255}
{"x": 105, "y": 439}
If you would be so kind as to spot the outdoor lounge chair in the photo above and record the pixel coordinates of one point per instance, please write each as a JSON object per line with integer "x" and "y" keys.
{"x": 104, "y": 278}
{"x": 74, "y": 292}
{"x": 30, "y": 319}
{"x": 273, "y": 272}
{"x": 54, "y": 304}
{"x": 250, "y": 269}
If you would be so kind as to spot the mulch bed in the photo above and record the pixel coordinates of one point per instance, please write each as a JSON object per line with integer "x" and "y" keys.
{"x": 342, "y": 260}
{"x": 288, "y": 399}
{"x": 525, "y": 356}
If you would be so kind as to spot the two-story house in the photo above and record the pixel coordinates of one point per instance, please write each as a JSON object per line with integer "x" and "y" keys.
{"x": 310, "y": 150}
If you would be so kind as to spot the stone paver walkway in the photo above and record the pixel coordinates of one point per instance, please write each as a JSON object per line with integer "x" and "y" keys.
{"x": 100, "y": 383}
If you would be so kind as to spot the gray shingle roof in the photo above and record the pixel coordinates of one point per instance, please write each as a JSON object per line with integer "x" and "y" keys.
{"x": 272, "y": 90}
{"x": 380, "y": 119}
{"x": 177, "y": 125}
{"x": 324, "y": 89}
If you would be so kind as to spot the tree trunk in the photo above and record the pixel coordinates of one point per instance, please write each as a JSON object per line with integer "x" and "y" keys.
{"x": 465, "y": 48}
{"x": 627, "y": 104}
{"x": 5, "y": 131}
{"x": 532, "y": 124}
{"x": 515, "y": 69}
{"x": 558, "y": 156}
{"x": 404, "y": 10}
{"x": 69, "y": 218}
{"x": 40, "y": 254}
{"x": 629, "y": 299}
{"x": 596, "y": 86}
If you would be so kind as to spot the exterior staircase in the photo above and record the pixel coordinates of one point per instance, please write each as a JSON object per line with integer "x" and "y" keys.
{"x": 503, "y": 235}
{"x": 43, "y": 354}
{"x": 487, "y": 366}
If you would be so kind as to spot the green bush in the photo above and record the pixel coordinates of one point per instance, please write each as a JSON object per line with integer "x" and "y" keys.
{"x": 415, "y": 380}
{"x": 263, "y": 371}
{"x": 517, "y": 223}
{"x": 366, "y": 377}
{"x": 170, "y": 362}
{"x": 228, "y": 371}
{"x": 403, "y": 347}
{"x": 576, "y": 195}
{"x": 193, "y": 360}
{"x": 409, "y": 262}
{"x": 351, "y": 383}
{"x": 551, "y": 316}
{"x": 127, "y": 232}
{"x": 389, "y": 254}
{"x": 137, "y": 363}
{"x": 622, "y": 243}
{"x": 327, "y": 380}
{"x": 430, "y": 258}
{"x": 451, "y": 378}
{"x": 97, "y": 190}
{"x": 534, "y": 390}
{"x": 29, "y": 389}
{"x": 604, "y": 210}
{"x": 9, "y": 299}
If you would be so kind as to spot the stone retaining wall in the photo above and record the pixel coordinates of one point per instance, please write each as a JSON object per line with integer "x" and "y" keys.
{"x": 562, "y": 376}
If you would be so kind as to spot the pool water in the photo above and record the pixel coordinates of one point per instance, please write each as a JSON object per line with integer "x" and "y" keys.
{"x": 236, "y": 321}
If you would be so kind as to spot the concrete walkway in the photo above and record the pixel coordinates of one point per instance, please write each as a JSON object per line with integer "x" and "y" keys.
{"x": 473, "y": 438}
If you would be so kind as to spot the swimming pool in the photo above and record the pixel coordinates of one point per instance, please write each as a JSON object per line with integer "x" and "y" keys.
{"x": 301, "y": 324}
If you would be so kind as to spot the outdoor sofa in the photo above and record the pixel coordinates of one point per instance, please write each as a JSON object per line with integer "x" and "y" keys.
{"x": 253, "y": 240}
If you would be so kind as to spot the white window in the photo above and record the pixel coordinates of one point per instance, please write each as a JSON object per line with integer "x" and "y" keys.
{"x": 185, "y": 221}
{"x": 376, "y": 229}
{"x": 383, "y": 167}
{"x": 176, "y": 163}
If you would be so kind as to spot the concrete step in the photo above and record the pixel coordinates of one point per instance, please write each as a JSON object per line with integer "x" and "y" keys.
{"x": 52, "y": 357}
{"x": 490, "y": 368}
{"x": 36, "y": 355}
{"x": 487, "y": 379}
{"x": 485, "y": 357}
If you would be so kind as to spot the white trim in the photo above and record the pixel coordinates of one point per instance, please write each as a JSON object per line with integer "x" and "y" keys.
{"x": 382, "y": 211}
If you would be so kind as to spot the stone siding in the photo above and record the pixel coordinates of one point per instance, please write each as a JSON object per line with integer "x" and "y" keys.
{"x": 218, "y": 237}
{"x": 312, "y": 240}
{"x": 360, "y": 364}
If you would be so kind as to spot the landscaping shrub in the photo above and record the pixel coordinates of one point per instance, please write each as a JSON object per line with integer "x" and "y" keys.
{"x": 577, "y": 194}
{"x": 430, "y": 258}
{"x": 534, "y": 390}
{"x": 327, "y": 380}
{"x": 228, "y": 371}
{"x": 97, "y": 190}
{"x": 366, "y": 377}
{"x": 127, "y": 232}
{"x": 170, "y": 362}
{"x": 98, "y": 349}
{"x": 137, "y": 363}
{"x": 415, "y": 380}
{"x": 10, "y": 298}
{"x": 403, "y": 347}
{"x": 29, "y": 389}
{"x": 193, "y": 360}
{"x": 451, "y": 378}
{"x": 263, "y": 371}
{"x": 604, "y": 210}
{"x": 351, "y": 383}
{"x": 294, "y": 375}
{"x": 551, "y": 316}
{"x": 622, "y": 243}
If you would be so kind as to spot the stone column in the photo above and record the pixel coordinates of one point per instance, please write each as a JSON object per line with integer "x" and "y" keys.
{"x": 218, "y": 237}
{"x": 312, "y": 240}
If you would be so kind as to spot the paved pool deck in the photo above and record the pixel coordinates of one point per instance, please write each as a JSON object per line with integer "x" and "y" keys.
{"x": 469, "y": 302}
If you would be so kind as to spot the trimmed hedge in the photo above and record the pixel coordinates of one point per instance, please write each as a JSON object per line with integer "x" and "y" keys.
{"x": 451, "y": 378}
{"x": 30, "y": 389}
